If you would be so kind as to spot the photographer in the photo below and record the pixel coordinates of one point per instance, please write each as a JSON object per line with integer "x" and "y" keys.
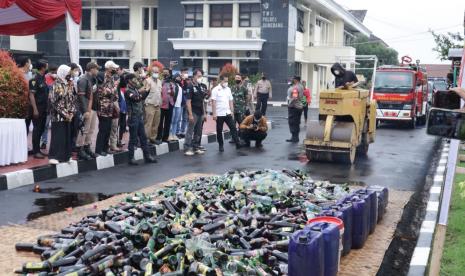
{"x": 254, "y": 127}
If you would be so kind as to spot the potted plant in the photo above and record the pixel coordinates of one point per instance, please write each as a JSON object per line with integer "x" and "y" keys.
{"x": 14, "y": 89}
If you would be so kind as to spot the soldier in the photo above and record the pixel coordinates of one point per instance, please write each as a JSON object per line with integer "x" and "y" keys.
{"x": 240, "y": 93}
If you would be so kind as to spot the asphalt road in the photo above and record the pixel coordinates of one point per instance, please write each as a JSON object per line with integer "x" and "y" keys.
{"x": 399, "y": 159}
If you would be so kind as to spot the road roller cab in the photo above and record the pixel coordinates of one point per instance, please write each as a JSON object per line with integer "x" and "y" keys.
{"x": 346, "y": 126}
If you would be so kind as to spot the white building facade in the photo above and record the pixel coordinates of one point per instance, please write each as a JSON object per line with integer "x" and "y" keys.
{"x": 281, "y": 38}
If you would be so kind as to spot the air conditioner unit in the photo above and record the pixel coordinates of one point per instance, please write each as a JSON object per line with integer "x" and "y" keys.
{"x": 252, "y": 54}
{"x": 109, "y": 36}
{"x": 188, "y": 34}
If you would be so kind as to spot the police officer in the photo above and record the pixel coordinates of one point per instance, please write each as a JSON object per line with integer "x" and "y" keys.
{"x": 295, "y": 94}
{"x": 38, "y": 98}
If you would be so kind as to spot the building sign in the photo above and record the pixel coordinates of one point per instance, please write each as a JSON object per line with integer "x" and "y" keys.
{"x": 269, "y": 19}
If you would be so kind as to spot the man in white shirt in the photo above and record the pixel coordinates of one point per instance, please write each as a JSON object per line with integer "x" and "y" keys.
{"x": 223, "y": 110}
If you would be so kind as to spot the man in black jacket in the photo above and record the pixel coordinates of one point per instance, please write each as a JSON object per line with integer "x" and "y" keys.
{"x": 345, "y": 79}
{"x": 134, "y": 103}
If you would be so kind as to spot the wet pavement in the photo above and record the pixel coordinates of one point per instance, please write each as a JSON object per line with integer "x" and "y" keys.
{"x": 399, "y": 159}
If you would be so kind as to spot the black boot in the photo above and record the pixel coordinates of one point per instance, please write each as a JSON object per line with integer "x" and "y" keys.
{"x": 258, "y": 144}
{"x": 89, "y": 151}
{"x": 150, "y": 159}
{"x": 247, "y": 143}
{"x": 82, "y": 154}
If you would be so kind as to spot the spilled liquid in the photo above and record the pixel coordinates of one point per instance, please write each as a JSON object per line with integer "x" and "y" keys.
{"x": 58, "y": 201}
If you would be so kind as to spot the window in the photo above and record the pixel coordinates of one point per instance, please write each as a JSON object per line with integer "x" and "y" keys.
{"x": 192, "y": 64}
{"x": 249, "y": 15}
{"x": 300, "y": 21}
{"x": 145, "y": 61}
{"x": 85, "y": 20}
{"x": 348, "y": 38}
{"x": 322, "y": 37}
{"x": 83, "y": 62}
{"x": 249, "y": 67}
{"x": 122, "y": 62}
{"x": 113, "y": 19}
{"x": 298, "y": 69}
{"x": 154, "y": 18}
{"x": 221, "y": 15}
{"x": 145, "y": 16}
{"x": 193, "y": 16}
{"x": 215, "y": 65}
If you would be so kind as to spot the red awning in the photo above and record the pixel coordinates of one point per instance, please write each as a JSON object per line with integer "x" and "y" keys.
{"x": 27, "y": 17}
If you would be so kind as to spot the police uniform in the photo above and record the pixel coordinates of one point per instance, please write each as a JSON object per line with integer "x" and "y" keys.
{"x": 38, "y": 87}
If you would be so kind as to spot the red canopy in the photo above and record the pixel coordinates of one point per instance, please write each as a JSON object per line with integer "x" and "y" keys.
{"x": 27, "y": 17}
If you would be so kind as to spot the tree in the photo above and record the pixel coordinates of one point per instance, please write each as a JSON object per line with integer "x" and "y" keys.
{"x": 13, "y": 89}
{"x": 386, "y": 55}
{"x": 444, "y": 42}
{"x": 229, "y": 71}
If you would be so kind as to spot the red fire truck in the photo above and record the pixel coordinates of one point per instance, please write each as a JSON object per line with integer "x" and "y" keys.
{"x": 401, "y": 93}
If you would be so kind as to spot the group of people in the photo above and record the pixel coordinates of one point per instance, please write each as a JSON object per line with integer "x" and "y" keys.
{"x": 155, "y": 105}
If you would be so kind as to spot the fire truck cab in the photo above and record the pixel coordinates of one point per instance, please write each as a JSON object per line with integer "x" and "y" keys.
{"x": 401, "y": 93}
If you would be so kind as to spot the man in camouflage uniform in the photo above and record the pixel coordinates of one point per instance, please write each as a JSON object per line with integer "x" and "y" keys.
{"x": 240, "y": 93}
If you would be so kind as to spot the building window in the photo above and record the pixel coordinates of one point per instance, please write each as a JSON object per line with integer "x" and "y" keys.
{"x": 112, "y": 19}
{"x": 249, "y": 67}
{"x": 323, "y": 33}
{"x": 221, "y": 15}
{"x": 215, "y": 65}
{"x": 154, "y": 18}
{"x": 83, "y": 62}
{"x": 193, "y": 16}
{"x": 249, "y": 15}
{"x": 298, "y": 69}
{"x": 122, "y": 62}
{"x": 192, "y": 64}
{"x": 85, "y": 20}
{"x": 145, "y": 17}
{"x": 300, "y": 21}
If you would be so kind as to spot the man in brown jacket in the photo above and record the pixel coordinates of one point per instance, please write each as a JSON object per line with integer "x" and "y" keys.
{"x": 254, "y": 127}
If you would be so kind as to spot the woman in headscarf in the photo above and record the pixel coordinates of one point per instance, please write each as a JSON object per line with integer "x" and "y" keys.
{"x": 62, "y": 109}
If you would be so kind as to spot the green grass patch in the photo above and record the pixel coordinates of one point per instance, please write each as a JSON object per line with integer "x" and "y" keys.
{"x": 460, "y": 164}
{"x": 453, "y": 259}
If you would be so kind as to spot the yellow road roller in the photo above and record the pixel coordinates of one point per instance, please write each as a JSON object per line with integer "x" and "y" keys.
{"x": 346, "y": 126}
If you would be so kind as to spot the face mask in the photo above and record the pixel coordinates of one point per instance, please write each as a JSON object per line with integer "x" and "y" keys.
{"x": 336, "y": 72}
{"x": 263, "y": 78}
{"x": 30, "y": 67}
{"x": 185, "y": 76}
{"x": 155, "y": 75}
{"x": 76, "y": 74}
{"x": 29, "y": 74}
{"x": 238, "y": 81}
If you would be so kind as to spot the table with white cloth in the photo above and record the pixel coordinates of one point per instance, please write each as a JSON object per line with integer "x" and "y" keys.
{"x": 13, "y": 141}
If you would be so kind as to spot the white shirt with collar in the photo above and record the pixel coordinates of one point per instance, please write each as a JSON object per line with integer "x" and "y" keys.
{"x": 222, "y": 96}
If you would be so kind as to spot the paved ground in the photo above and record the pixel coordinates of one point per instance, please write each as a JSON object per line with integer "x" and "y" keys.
{"x": 399, "y": 159}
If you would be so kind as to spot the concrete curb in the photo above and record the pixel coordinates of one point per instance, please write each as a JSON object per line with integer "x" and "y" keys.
{"x": 24, "y": 177}
{"x": 421, "y": 254}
